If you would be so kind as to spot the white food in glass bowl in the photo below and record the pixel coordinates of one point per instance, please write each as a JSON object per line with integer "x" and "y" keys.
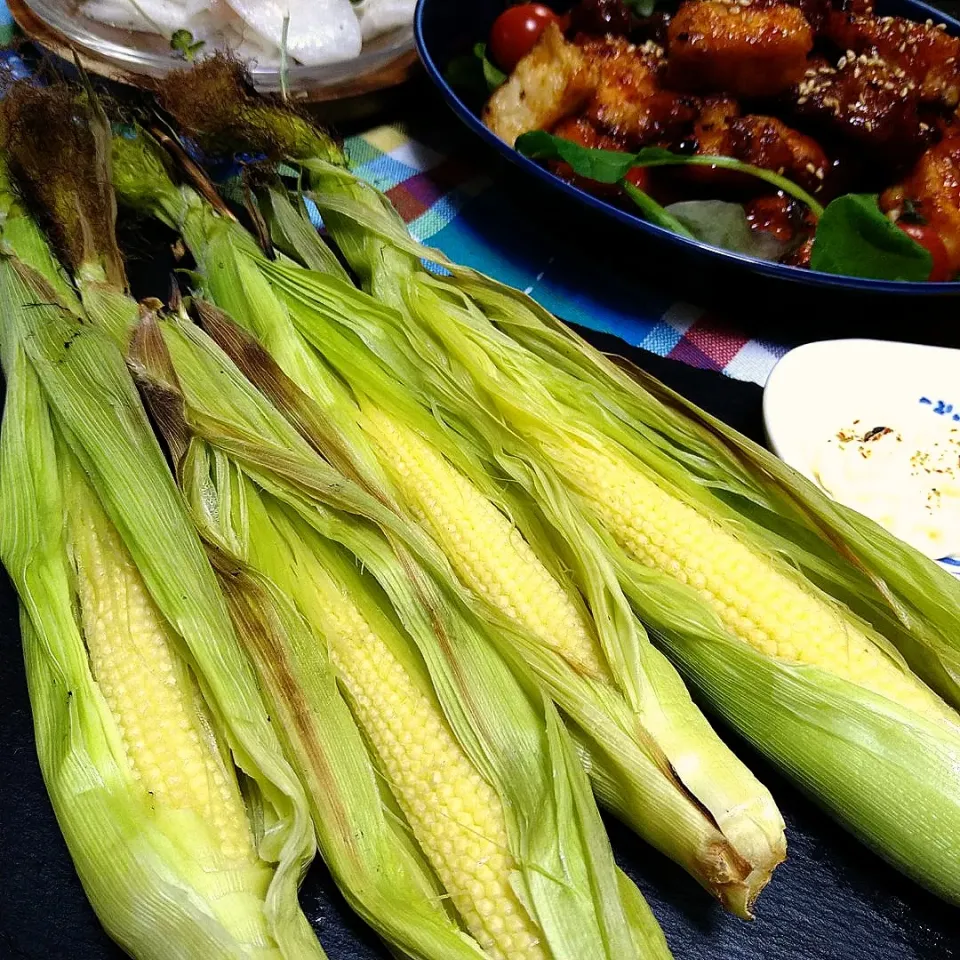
{"x": 318, "y": 32}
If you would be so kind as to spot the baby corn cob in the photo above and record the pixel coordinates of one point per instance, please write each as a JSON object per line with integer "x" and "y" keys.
{"x": 454, "y": 814}
{"x": 732, "y": 846}
{"x": 167, "y": 735}
{"x": 486, "y": 549}
{"x": 139, "y": 770}
{"x": 757, "y": 600}
{"x": 57, "y": 145}
{"x": 419, "y": 687}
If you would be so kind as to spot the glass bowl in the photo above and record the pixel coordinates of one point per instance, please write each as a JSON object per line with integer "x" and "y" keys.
{"x": 133, "y": 56}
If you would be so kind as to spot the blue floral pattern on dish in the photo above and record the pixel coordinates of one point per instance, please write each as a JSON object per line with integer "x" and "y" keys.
{"x": 944, "y": 409}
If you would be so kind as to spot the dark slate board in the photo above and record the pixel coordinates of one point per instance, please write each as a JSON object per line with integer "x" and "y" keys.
{"x": 832, "y": 899}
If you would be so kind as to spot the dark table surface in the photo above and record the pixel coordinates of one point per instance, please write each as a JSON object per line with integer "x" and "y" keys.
{"x": 831, "y": 900}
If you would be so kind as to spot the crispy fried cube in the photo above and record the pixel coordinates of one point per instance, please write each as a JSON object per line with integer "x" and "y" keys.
{"x": 552, "y": 81}
{"x": 741, "y": 48}
{"x": 924, "y": 51}
{"x": 629, "y": 102}
{"x": 866, "y": 102}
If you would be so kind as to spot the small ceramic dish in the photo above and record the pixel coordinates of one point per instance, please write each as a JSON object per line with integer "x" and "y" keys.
{"x": 842, "y": 392}
{"x": 132, "y": 57}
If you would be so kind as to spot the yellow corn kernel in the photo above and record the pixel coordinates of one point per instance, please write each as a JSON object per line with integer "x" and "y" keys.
{"x": 150, "y": 693}
{"x": 486, "y": 549}
{"x": 757, "y": 602}
{"x": 455, "y": 815}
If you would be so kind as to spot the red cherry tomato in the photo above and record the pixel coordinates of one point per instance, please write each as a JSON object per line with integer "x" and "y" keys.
{"x": 929, "y": 238}
{"x": 515, "y": 32}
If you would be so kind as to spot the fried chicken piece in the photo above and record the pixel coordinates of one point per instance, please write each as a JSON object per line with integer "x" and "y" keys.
{"x": 933, "y": 192}
{"x": 924, "y": 51}
{"x": 762, "y": 141}
{"x": 629, "y": 102}
{"x": 554, "y": 80}
{"x": 801, "y": 256}
{"x": 867, "y": 102}
{"x": 744, "y": 48}
{"x": 769, "y": 143}
{"x": 780, "y": 216}
{"x": 712, "y": 129}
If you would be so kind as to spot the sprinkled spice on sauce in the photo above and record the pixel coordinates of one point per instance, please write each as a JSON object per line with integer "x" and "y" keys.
{"x": 905, "y": 476}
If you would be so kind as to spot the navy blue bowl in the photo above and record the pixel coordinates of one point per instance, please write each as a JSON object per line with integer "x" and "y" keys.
{"x": 444, "y": 30}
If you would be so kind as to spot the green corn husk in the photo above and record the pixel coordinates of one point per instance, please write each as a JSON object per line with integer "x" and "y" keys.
{"x": 653, "y": 757}
{"x": 85, "y": 494}
{"x": 564, "y": 873}
{"x": 584, "y": 908}
{"x": 362, "y": 836}
{"x": 887, "y": 772}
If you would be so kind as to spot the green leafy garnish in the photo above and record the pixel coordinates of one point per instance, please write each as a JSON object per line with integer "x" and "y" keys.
{"x": 475, "y": 72}
{"x": 853, "y": 236}
{"x": 183, "y": 43}
{"x": 856, "y": 239}
{"x": 494, "y": 76}
{"x": 611, "y": 166}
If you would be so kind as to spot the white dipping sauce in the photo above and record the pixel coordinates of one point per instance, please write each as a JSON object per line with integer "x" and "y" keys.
{"x": 903, "y": 472}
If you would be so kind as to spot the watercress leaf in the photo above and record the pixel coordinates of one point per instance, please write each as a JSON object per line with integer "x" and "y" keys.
{"x": 855, "y": 239}
{"x": 472, "y": 73}
{"x": 493, "y": 75}
{"x": 652, "y": 156}
{"x": 725, "y": 225}
{"x": 604, "y": 166}
{"x": 463, "y": 73}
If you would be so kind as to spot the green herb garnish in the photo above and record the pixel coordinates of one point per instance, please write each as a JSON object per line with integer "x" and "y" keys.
{"x": 855, "y": 238}
{"x": 183, "y": 43}
{"x": 475, "y": 72}
{"x": 611, "y": 166}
